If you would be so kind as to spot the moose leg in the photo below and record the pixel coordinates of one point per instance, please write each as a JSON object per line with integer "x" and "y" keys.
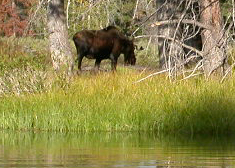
{"x": 125, "y": 60}
{"x": 113, "y": 62}
{"x": 97, "y": 64}
{"x": 80, "y": 57}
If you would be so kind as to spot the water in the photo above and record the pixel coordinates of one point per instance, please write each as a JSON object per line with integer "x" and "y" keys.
{"x": 116, "y": 150}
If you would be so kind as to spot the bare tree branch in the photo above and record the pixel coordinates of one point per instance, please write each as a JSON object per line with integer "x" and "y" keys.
{"x": 151, "y": 75}
{"x": 148, "y": 18}
{"x": 172, "y": 39}
{"x": 185, "y": 21}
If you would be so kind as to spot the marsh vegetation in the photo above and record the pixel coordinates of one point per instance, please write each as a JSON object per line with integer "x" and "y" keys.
{"x": 34, "y": 97}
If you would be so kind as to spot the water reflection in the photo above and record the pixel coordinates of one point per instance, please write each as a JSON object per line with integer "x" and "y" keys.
{"x": 28, "y": 149}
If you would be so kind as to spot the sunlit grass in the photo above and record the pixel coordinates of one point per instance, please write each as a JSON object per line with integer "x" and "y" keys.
{"x": 32, "y": 97}
{"x": 112, "y": 102}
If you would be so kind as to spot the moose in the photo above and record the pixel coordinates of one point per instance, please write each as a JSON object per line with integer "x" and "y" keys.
{"x": 107, "y": 43}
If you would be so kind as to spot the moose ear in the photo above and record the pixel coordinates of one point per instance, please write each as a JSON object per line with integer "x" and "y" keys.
{"x": 139, "y": 49}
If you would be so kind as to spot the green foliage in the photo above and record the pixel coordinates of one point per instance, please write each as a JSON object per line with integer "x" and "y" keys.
{"x": 226, "y": 7}
{"x": 85, "y": 15}
{"x": 23, "y": 66}
{"x": 148, "y": 56}
{"x": 23, "y": 52}
{"x": 81, "y": 15}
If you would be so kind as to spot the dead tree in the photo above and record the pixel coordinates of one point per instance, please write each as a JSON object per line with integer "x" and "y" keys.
{"x": 191, "y": 30}
{"x": 170, "y": 52}
{"x": 58, "y": 37}
{"x": 213, "y": 39}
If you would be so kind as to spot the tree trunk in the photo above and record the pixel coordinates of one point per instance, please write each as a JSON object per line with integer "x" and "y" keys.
{"x": 13, "y": 7}
{"x": 170, "y": 52}
{"x": 58, "y": 37}
{"x": 212, "y": 39}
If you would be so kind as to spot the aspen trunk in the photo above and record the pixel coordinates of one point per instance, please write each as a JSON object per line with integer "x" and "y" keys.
{"x": 58, "y": 37}
{"x": 13, "y": 7}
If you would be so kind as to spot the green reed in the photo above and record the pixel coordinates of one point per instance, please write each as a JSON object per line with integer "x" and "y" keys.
{"x": 113, "y": 102}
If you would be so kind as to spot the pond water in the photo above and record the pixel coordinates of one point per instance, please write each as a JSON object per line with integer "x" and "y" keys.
{"x": 103, "y": 150}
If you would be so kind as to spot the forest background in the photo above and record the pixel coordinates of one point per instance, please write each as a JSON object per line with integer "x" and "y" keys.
{"x": 134, "y": 18}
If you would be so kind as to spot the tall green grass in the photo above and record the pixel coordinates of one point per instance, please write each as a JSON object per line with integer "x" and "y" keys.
{"x": 32, "y": 97}
{"x": 112, "y": 102}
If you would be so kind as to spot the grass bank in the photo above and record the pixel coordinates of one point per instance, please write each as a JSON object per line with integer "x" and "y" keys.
{"x": 111, "y": 102}
{"x": 32, "y": 97}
